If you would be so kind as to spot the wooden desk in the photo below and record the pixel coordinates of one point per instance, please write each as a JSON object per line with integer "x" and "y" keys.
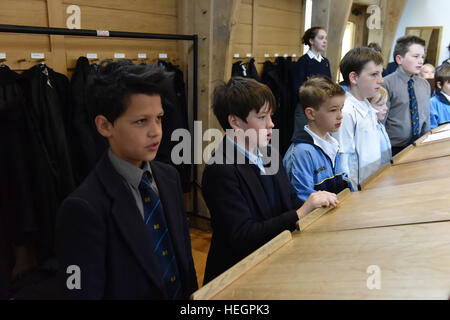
{"x": 425, "y": 170}
{"x": 414, "y": 262}
{"x": 392, "y": 205}
{"x": 423, "y": 152}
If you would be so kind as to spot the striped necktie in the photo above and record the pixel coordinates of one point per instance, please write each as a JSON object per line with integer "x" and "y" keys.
{"x": 155, "y": 223}
{"x": 414, "y": 110}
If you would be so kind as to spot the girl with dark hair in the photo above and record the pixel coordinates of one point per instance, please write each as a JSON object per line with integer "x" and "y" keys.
{"x": 311, "y": 63}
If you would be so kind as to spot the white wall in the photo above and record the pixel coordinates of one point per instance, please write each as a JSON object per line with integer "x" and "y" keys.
{"x": 424, "y": 13}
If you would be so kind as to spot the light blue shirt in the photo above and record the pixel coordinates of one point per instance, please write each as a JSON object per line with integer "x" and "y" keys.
{"x": 255, "y": 159}
{"x": 385, "y": 144}
{"x": 359, "y": 140}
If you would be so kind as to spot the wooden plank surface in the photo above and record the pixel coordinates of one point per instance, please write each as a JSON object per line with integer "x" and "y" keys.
{"x": 426, "y": 170}
{"x": 413, "y": 260}
{"x": 374, "y": 176}
{"x": 393, "y": 205}
{"x": 426, "y": 151}
{"x": 305, "y": 222}
{"x": 225, "y": 279}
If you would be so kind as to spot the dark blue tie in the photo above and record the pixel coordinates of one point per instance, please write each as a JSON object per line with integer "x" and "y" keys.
{"x": 155, "y": 222}
{"x": 414, "y": 110}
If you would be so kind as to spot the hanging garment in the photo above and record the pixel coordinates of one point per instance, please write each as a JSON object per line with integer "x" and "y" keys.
{"x": 175, "y": 117}
{"x": 239, "y": 69}
{"x": 278, "y": 77}
{"x": 86, "y": 144}
{"x": 46, "y": 95}
{"x": 17, "y": 203}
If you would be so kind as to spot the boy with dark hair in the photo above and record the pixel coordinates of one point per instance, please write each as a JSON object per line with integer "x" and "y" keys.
{"x": 123, "y": 233}
{"x": 358, "y": 136}
{"x": 249, "y": 203}
{"x": 408, "y": 117}
{"x": 312, "y": 161}
{"x": 440, "y": 102}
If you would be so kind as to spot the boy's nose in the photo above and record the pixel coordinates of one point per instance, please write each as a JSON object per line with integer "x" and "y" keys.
{"x": 270, "y": 124}
{"x": 154, "y": 130}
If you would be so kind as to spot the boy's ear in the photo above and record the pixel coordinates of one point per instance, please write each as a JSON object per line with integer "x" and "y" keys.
{"x": 398, "y": 59}
{"x": 352, "y": 77}
{"x": 439, "y": 85}
{"x": 234, "y": 121}
{"x": 310, "y": 113}
{"x": 103, "y": 126}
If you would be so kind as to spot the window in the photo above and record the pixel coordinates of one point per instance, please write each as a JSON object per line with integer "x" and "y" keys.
{"x": 308, "y": 14}
{"x": 348, "y": 42}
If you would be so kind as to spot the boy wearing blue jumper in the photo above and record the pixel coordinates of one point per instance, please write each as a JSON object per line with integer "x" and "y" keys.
{"x": 312, "y": 161}
{"x": 440, "y": 103}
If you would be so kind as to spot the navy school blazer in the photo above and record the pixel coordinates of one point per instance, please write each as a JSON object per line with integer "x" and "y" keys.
{"x": 101, "y": 230}
{"x": 241, "y": 217}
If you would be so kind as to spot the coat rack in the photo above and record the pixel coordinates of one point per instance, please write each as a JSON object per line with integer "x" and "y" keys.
{"x": 135, "y": 35}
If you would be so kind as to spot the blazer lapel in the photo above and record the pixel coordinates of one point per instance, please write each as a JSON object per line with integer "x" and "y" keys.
{"x": 285, "y": 193}
{"x": 279, "y": 178}
{"x": 256, "y": 189}
{"x": 248, "y": 174}
{"x": 129, "y": 221}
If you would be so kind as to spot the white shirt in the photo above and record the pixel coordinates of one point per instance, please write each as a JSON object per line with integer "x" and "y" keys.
{"x": 329, "y": 146}
{"x": 359, "y": 140}
{"x": 252, "y": 157}
{"x": 313, "y": 56}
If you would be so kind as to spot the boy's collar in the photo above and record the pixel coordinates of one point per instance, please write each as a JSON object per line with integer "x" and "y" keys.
{"x": 402, "y": 74}
{"x": 128, "y": 171}
{"x": 362, "y": 106}
{"x": 252, "y": 154}
{"x": 445, "y": 98}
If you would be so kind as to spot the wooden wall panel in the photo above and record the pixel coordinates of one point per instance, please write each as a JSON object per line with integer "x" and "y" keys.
{"x": 279, "y": 18}
{"x": 285, "y": 5}
{"x": 125, "y": 20}
{"x": 24, "y": 12}
{"x": 266, "y": 26}
{"x": 245, "y": 13}
{"x": 18, "y": 47}
{"x": 114, "y": 15}
{"x": 168, "y": 7}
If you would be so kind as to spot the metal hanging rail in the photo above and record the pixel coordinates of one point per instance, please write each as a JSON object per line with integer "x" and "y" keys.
{"x": 135, "y": 35}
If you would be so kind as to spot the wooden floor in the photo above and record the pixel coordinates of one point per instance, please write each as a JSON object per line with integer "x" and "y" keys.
{"x": 200, "y": 241}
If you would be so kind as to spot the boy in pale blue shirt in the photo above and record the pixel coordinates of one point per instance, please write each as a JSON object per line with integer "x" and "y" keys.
{"x": 359, "y": 137}
{"x": 440, "y": 102}
{"x": 312, "y": 161}
{"x": 378, "y": 102}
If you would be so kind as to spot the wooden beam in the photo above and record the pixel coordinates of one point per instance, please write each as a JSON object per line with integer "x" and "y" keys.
{"x": 391, "y": 16}
{"x": 57, "y": 46}
{"x": 333, "y": 16}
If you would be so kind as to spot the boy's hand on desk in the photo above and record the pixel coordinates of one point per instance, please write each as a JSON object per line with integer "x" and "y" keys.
{"x": 316, "y": 200}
